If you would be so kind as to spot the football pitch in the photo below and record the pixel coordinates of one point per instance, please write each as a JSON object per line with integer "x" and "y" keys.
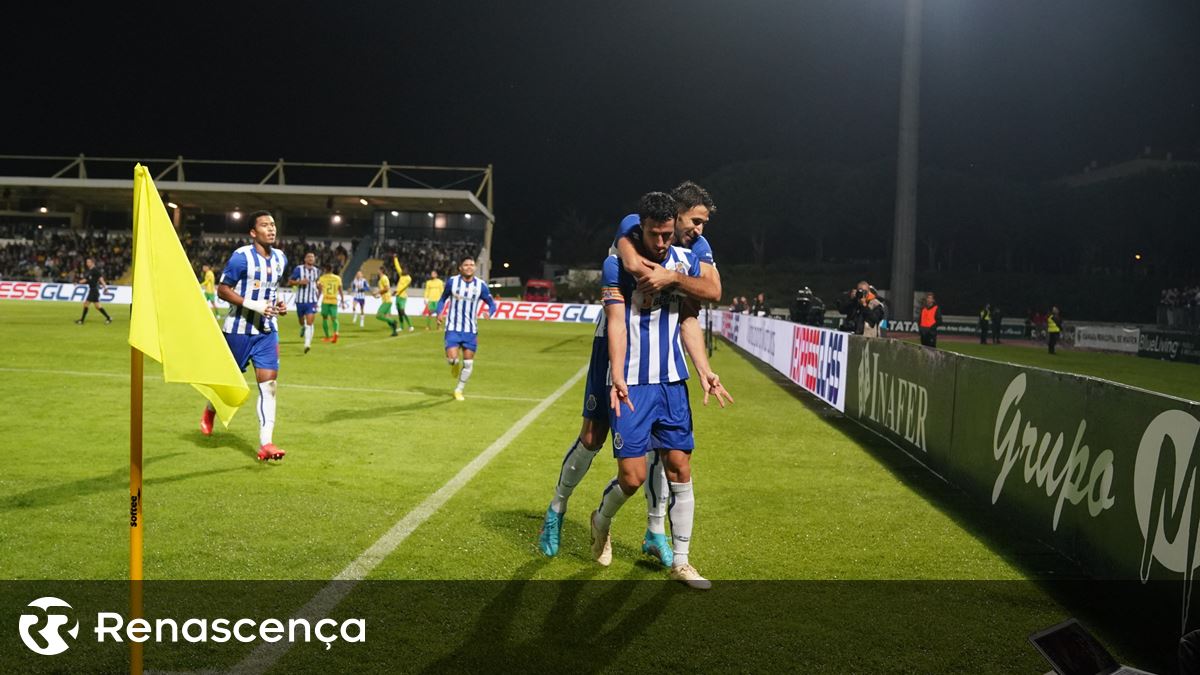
{"x": 388, "y": 475}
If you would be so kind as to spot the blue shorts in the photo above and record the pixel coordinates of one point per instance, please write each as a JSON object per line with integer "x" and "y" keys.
{"x": 595, "y": 391}
{"x": 464, "y": 340}
{"x": 306, "y": 308}
{"x": 661, "y": 419}
{"x": 361, "y": 302}
{"x": 262, "y": 349}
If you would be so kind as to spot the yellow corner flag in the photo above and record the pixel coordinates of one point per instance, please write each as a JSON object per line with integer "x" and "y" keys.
{"x": 170, "y": 322}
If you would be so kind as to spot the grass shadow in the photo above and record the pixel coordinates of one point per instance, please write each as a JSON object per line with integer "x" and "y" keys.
{"x": 65, "y": 492}
{"x": 386, "y": 410}
{"x": 1058, "y": 576}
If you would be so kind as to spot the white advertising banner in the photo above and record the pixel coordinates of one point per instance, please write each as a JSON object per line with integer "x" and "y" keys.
{"x": 814, "y": 358}
{"x": 1108, "y": 338}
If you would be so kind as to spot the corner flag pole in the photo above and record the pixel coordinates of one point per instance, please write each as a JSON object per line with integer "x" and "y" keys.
{"x": 136, "y": 524}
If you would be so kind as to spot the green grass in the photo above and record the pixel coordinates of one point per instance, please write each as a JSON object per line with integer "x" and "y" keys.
{"x": 1165, "y": 377}
{"x": 785, "y": 491}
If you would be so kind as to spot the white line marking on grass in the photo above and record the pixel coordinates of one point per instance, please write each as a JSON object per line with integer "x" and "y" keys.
{"x": 268, "y": 654}
{"x": 287, "y": 385}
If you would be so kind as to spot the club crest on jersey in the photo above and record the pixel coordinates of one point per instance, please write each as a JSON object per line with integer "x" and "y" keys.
{"x": 591, "y": 402}
{"x": 257, "y": 284}
{"x": 677, "y": 266}
{"x": 618, "y": 442}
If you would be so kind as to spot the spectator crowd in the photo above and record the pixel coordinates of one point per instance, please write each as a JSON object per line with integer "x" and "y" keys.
{"x": 1188, "y": 296}
{"x": 419, "y": 257}
{"x": 60, "y": 256}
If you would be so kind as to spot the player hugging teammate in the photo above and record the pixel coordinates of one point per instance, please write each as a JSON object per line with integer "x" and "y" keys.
{"x": 650, "y": 291}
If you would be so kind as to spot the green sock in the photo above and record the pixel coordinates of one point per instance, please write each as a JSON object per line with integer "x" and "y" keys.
{"x": 325, "y": 326}
{"x": 337, "y": 325}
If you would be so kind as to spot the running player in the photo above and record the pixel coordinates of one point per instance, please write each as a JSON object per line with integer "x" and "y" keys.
{"x": 250, "y": 285}
{"x": 385, "y": 300}
{"x": 305, "y": 278}
{"x": 403, "y": 281}
{"x": 94, "y": 279}
{"x": 360, "y": 287}
{"x": 209, "y": 284}
{"x": 464, "y": 291}
{"x": 695, "y": 207}
{"x": 648, "y": 378}
{"x": 433, "y": 290}
{"x": 332, "y": 298}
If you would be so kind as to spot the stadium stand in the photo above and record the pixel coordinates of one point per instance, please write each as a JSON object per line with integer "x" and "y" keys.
{"x": 60, "y": 255}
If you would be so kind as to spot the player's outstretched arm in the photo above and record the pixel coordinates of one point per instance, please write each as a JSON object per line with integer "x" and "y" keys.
{"x": 486, "y": 296}
{"x": 442, "y": 301}
{"x": 614, "y": 312}
{"x": 693, "y": 342}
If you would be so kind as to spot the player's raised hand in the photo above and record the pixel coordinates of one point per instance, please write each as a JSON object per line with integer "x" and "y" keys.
{"x": 712, "y": 385}
{"x": 617, "y": 394}
{"x": 654, "y": 278}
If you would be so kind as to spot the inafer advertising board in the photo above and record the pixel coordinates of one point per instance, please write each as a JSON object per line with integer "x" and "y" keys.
{"x": 814, "y": 358}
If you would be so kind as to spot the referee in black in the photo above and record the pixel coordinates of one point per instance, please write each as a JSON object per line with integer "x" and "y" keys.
{"x": 95, "y": 281}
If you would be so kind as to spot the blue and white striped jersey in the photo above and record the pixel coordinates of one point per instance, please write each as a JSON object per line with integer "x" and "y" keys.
{"x": 653, "y": 350}
{"x": 253, "y": 277}
{"x": 309, "y": 292}
{"x": 360, "y": 288}
{"x": 464, "y": 297}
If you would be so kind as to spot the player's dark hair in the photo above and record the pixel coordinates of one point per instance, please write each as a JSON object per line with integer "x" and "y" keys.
{"x": 465, "y": 258}
{"x": 328, "y": 267}
{"x": 657, "y": 206}
{"x": 688, "y": 195}
{"x": 254, "y": 216}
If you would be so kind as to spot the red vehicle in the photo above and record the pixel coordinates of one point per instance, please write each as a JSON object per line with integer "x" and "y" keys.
{"x": 539, "y": 290}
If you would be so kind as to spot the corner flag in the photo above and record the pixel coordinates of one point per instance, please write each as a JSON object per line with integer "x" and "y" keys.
{"x": 170, "y": 321}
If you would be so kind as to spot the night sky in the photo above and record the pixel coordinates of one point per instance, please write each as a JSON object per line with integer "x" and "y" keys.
{"x": 588, "y": 105}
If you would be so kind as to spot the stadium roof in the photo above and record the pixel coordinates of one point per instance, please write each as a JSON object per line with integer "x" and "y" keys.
{"x": 212, "y": 186}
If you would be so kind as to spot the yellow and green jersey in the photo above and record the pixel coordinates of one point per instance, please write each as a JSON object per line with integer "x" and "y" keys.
{"x": 210, "y": 283}
{"x": 433, "y": 289}
{"x": 331, "y": 286}
{"x": 385, "y": 289}
{"x": 402, "y": 285}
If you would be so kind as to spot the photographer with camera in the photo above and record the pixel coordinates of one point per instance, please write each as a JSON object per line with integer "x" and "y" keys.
{"x": 863, "y": 311}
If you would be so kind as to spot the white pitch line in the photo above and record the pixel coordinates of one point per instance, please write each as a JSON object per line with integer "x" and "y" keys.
{"x": 287, "y": 385}
{"x": 268, "y": 654}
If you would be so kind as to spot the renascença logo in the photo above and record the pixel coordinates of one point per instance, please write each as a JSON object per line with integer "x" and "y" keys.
{"x": 54, "y": 642}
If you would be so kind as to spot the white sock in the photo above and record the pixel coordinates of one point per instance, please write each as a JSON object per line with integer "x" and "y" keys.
{"x": 683, "y": 510}
{"x": 575, "y": 466}
{"x": 657, "y": 493}
{"x": 266, "y": 411}
{"x": 308, "y": 333}
{"x": 610, "y": 502}
{"x": 468, "y": 366}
